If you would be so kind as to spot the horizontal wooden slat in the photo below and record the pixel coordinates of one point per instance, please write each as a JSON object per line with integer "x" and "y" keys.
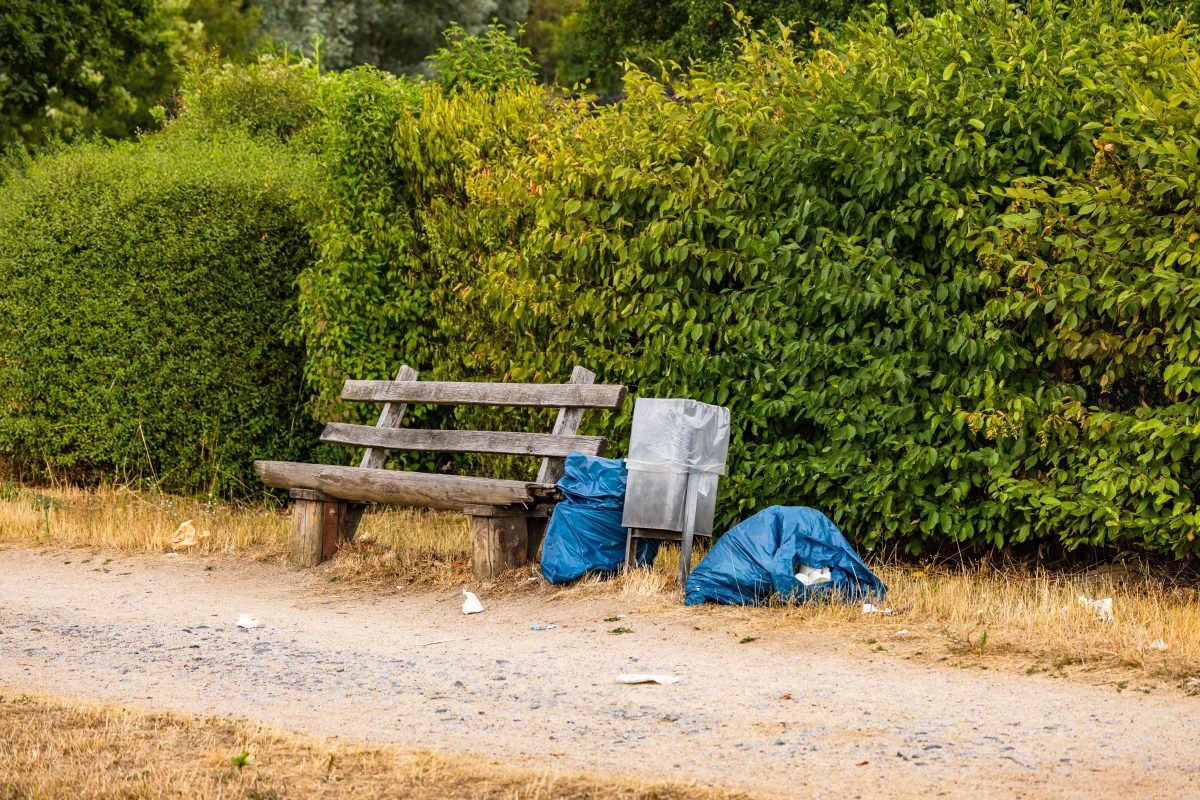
{"x": 449, "y": 492}
{"x": 519, "y": 444}
{"x": 542, "y": 395}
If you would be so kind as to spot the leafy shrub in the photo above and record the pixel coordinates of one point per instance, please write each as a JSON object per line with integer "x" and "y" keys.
{"x": 800, "y": 238}
{"x": 145, "y": 292}
{"x": 488, "y": 61}
{"x": 1097, "y": 278}
{"x": 396, "y": 236}
{"x": 272, "y": 96}
{"x": 601, "y": 35}
{"x": 823, "y": 241}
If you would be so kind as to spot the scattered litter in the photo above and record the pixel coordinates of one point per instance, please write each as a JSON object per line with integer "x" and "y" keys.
{"x": 549, "y": 627}
{"x": 862, "y": 763}
{"x": 246, "y": 621}
{"x": 872, "y": 609}
{"x": 811, "y": 576}
{"x": 785, "y": 696}
{"x": 1101, "y": 608}
{"x": 443, "y": 641}
{"x": 187, "y": 536}
{"x": 471, "y": 605}
{"x": 1159, "y": 644}
{"x": 660, "y": 679}
{"x": 531, "y": 578}
{"x": 902, "y": 633}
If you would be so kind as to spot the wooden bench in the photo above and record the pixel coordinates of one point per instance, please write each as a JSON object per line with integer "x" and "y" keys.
{"x": 508, "y": 517}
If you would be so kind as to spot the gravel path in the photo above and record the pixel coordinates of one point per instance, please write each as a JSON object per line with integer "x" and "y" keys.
{"x": 794, "y": 714}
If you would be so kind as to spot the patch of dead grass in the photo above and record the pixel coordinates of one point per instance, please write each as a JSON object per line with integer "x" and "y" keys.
{"x": 124, "y": 519}
{"x": 55, "y": 747}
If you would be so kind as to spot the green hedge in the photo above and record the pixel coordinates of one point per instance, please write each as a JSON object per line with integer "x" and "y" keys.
{"x": 145, "y": 293}
{"x": 833, "y": 244}
{"x": 801, "y": 238}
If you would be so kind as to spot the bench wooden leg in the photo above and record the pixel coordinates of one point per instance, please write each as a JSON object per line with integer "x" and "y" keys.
{"x": 537, "y": 534}
{"x": 319, "y": 523}
{"x": 500, "y": 540}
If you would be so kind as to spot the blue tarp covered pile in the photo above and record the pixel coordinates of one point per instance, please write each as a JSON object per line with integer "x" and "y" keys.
{"x": 585, "y": 533}
{"x": 760, "y": 558}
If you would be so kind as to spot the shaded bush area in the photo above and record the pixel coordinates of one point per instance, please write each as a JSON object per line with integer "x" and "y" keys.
{"x": 145, "y": 291}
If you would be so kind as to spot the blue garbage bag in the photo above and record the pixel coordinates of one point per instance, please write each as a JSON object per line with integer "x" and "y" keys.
{"x": 585, "y": 533}
{"x": 760, "y": 557}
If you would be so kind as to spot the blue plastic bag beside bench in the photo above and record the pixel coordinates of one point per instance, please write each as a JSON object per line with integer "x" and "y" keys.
{"x": 760, "y": 557}
{"x": 585, "y": 533}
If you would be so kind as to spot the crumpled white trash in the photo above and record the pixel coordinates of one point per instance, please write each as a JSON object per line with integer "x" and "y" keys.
{"x": 471, "y": 605}
{"x": 187, "y": 536}
{"x": 1101, "y": 608}
{"x": 811, "y": 576}
{"x": 247, "y": 621}
{"x": 635, "y": 678}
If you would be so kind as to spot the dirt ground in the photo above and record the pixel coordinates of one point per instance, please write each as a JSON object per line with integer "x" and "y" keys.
{"x": 792, "y": 712}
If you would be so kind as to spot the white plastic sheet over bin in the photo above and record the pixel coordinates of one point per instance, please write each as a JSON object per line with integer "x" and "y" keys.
{"x": 677, "y": 450}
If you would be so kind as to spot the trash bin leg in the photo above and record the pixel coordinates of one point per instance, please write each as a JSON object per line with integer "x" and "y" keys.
{"x": 689, "y": 527}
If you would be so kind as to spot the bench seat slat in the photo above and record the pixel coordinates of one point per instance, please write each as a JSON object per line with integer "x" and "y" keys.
{"x": 448, "y": 492}
{"x": 520, "y": 444}
{"x": 540, "y": 395}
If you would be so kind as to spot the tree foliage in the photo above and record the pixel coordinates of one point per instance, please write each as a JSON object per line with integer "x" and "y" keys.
{"x": 393, "y": 35}
{"x": 601, "y": 35}
{"x": 60, "y": 60}
{"x": 103, "y": 67}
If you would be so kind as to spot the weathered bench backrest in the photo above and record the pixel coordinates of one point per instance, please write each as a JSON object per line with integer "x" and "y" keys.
{"x": 570, "y": 398}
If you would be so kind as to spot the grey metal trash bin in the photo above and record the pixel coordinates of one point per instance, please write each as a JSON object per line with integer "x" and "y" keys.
{"x": 677, "y": 450}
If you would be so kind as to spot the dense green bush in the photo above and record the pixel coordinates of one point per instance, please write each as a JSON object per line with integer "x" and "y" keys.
{"x": 145, "y": 292}
{"x": 269, "y": 97}
{"x": 800, "y": 238}
{"x": 1097, "y": 278}
{"x": 601, "y": 35}
{"x": 826, "y": 242}
{"x": 595, "y": 39}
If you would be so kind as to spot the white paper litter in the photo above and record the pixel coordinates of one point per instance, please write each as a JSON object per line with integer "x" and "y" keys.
{"x": 1159, "y": 644}
{"x": 634, "y": 678}
{"x": 811, "y": 576}
{"x": 471, "y": 605}
{"x": 902, "y": 633}
{"x": 247, "y": 621}
{"x": 187, "y": 536}
{"x": 1101, "y": 608}
{"x": 870, "y": 609}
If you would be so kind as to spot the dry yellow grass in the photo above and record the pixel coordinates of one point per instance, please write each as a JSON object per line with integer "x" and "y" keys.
{"x": 64, "y": 748}
{"x": 134, "y": 521}
{"x": 979, "y": 615}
